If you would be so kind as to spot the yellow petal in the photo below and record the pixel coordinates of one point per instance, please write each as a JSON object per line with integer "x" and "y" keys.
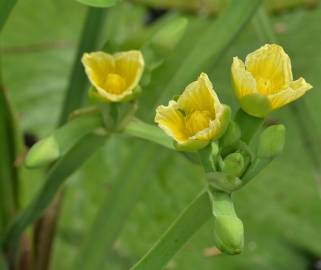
{"x": 244, "y": 83}
{"x": 295, "y": 90}
{"x": 97, "y": 66}
{"x": 271, "y": 68}
{"x": 199, "y": 96}
{"x": 130, "y": 66}
{"x": 171, "y": 120}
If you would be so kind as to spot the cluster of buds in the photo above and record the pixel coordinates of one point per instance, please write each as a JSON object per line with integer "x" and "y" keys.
{"x": 232, "y": 149}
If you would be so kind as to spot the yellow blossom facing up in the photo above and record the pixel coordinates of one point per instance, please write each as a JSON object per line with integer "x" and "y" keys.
{"x": 115, "y": 77}
{"x": 265, "y": 82}
{"x": 196, "y": 118}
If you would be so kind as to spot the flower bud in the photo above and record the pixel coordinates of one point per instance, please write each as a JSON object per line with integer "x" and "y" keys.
{"x": 233, "y": 164}
{"x": 43, "y": 152}
{"x": 271, "y": 142}
{"x": 53, "y": 147}
{"x": 229, "y": 234}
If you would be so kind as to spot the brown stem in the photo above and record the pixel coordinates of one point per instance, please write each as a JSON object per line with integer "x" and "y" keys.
{"x": 44, "y": 231}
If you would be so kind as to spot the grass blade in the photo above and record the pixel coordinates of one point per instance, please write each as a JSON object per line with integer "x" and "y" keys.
{"x": 78, "y": 83}
{"x": 184, "y": 227}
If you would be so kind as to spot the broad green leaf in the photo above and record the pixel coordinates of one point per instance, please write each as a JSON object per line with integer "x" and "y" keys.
{"x": 98, "y": 3}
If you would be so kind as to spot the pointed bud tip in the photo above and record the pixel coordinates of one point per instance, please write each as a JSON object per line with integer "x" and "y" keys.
{"x": 42, "y": 153}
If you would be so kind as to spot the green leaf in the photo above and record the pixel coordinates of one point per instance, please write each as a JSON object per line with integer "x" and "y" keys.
{"x": 183, "y": 228}
{"x": 6, "y": 7}
{"x": 70, "y": 162}
{"x": 98, "y": 3}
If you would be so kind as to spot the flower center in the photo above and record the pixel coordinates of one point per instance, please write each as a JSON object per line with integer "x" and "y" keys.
{"x": 267, "y": 86}
{"x": 197, "y": 121}
{"x": 114, "y": 83}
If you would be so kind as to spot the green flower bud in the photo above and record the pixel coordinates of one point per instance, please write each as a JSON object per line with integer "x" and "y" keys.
{"x": 233, "y": 164}
{"x": 271, "y": 142}
{"x": 43, "y": 152}
{"x": 53, "y": 147}
{"x": 229, "y": 234}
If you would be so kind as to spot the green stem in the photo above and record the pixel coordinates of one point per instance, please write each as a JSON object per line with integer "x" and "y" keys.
{"x": 72, "y": 160}
{"x": 142, "y": 130}
{"x": 183, "y": 228}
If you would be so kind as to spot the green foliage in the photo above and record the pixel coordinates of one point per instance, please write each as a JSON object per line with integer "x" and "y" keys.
{"x": 36, "y": 86}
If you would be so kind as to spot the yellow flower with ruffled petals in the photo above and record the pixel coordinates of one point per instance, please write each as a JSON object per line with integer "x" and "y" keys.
{"x": 196, "y": 118}
{"x": 265, "y": 82}
{"x": 115, "y": 77}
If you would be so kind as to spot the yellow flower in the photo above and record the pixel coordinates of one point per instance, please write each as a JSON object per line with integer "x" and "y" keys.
{"x": 265, "y": 82}
{"x": 114, "y": 77}
{"x": 196, "y": 118}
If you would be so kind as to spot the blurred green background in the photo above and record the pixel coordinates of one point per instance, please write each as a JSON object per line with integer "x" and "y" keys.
{"x": 281, "y": 208}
